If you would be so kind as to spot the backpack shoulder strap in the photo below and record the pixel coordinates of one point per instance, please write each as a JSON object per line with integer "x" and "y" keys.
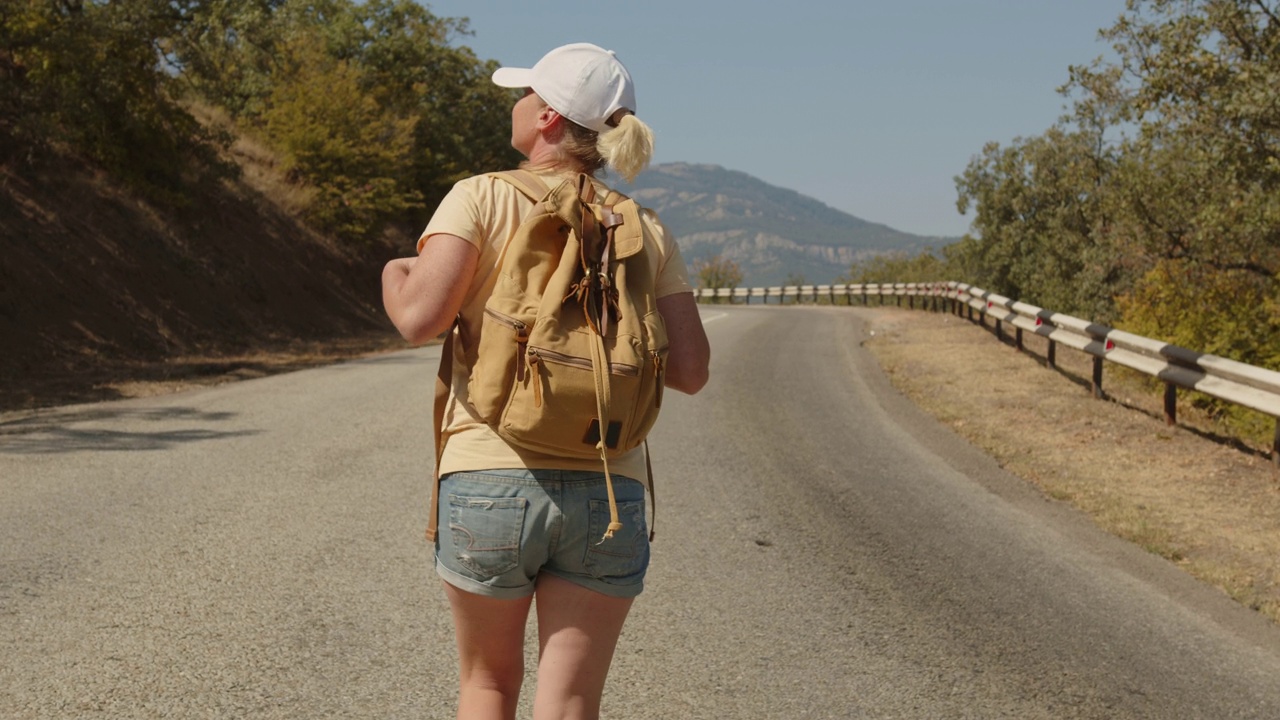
{"x": 444, "y": 379}
{"x": 527, "y": 182}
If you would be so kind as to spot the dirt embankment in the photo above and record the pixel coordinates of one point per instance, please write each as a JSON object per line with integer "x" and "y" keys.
{"x": 100, "y": 292}
{"x": 1206, "y": 502}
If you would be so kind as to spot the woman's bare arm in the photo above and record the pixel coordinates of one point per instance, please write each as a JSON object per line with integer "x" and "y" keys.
{"x": 690, "y": 354}
{"x": 423, "y": 295}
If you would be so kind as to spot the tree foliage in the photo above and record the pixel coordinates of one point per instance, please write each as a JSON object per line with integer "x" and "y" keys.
{"x": 341, "y": 140}
{"x": 717, "y": 272}
{"x": 1154, "y": 204}
{"x": 374, "y": 105}
{"x": 1042, "y": 221}
{"x": 898, "y": 267}
{"x": 89, "y": 77}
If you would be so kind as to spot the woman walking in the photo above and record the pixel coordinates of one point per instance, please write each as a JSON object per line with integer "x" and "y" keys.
{"x": 576, "y": 117}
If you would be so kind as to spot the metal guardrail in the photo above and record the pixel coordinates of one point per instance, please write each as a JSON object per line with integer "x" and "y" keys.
{"x": 1177, "y": 367}
{"x": 801, "y": 292}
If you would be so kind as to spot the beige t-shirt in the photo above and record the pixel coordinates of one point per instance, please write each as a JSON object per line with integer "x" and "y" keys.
{"x": 486, "y": 211}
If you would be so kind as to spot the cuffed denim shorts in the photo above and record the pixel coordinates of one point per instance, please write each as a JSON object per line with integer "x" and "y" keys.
{"x": 500, "y": 528}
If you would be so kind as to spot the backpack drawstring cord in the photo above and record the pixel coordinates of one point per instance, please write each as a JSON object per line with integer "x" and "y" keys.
{"x": 597, "y": 352}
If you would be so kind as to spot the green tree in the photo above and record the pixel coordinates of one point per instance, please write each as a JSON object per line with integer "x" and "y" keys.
{"x": 352, "y": 150}
{"x": 1199, "y": 83}
{"x": 410, "y": 64}
{"x": 1197, "y": 189}
{"x": 88, "y": 77}
{"x": 717, "y": 272}
{"x": 373, "y": 103}
{"x": 1041, "y": 217}
{"x": 226, "y": 50}
{"x": 896, "y": 267}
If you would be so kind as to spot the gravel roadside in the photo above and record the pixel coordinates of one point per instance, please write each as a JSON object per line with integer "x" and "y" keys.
{"x": 1203, "y": 502}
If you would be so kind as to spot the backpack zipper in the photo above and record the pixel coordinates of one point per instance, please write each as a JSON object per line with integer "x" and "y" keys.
{"x": 578, "y": 362}
{"x": 522, "y": 338}
{"x": 660, "y": 372}
{"x": 537, "y": 377}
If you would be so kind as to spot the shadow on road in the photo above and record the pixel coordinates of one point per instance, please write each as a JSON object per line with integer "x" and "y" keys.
{"x": 99, "y": 429}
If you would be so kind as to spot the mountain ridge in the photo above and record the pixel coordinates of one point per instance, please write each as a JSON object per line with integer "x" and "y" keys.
{"x": 774, "y": 234}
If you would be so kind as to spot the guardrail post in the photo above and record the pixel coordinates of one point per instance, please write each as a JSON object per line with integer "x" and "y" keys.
{"x": 1275, "y": 445}
{"x": 999, "y": 330}
{"x": 1017, "y": 339}
{"x": 1097, "y": 377}
{"x": 1053, "y": 354}
{"x": 1170, "y": 404}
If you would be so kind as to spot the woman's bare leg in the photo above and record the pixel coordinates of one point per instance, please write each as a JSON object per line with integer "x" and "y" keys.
{"x": 578, "y": 630}
{"x": 490, "y": 635}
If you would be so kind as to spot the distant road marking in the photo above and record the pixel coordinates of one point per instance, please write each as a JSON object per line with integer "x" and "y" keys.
{"x": 713, "y": 318}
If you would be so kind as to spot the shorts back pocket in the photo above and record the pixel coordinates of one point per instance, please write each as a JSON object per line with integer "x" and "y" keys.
{"x": 486, "y": 533}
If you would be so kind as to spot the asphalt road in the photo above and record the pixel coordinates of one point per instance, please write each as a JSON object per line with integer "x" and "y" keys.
{"x": 823, "y": 551}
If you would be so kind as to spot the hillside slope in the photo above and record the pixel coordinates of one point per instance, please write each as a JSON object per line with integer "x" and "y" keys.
{"x": 98, "y": 289}
{"x": 96, "y": 285}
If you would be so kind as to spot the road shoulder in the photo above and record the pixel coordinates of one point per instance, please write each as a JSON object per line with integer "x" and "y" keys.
{"x": 1210, "y": 508}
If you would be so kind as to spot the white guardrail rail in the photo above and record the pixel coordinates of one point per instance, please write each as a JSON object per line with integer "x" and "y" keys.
{"x": 1247, "y": 385}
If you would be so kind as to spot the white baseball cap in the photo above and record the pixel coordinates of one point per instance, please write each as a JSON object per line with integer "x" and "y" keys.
{"x": 581, "y": 81}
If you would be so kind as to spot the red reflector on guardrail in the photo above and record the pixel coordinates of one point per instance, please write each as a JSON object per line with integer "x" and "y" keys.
{"x": 1039, "y": 322}
{"x": 990, "y": 304}
{"x": 1111, "y": 345}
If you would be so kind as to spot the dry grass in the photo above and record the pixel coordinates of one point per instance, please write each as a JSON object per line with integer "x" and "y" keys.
{"x": 1191, "y": 493}
{"x": 262, "y": 169}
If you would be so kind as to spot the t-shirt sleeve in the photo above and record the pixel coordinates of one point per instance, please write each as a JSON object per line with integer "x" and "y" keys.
{"x": 463, "y": 213}
{"x": 673, "y": 275}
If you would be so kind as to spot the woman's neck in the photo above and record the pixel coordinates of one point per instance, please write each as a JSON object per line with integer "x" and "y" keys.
{"x": 547, "y": 157}
{"x": 552, "y": 168}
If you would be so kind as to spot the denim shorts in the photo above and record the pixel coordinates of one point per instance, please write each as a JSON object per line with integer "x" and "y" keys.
{"x": 500, "y": 528}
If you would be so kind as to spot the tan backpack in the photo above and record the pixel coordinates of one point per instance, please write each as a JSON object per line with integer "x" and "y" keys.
{"x": 572, "y": 347}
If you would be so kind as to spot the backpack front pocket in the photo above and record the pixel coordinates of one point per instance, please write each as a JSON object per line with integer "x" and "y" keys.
{"x": 499, "y": 363}
{"x": 553, "y": 408}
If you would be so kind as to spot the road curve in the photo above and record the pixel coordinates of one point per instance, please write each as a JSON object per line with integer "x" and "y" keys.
{"x": 823, "y": 551}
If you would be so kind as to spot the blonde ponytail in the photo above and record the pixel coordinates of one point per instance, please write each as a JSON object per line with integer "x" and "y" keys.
{"x": 628, "y": 147}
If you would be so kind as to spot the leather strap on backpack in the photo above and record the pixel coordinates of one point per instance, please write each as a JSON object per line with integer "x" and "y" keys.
{"x": 444, "y": 381}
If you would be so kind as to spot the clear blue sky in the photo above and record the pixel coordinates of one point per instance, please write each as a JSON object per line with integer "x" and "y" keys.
{"x": 870, "y": 107}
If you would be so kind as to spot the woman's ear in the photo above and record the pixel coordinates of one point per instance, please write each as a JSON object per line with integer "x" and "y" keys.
{"x": 548, "y": 119}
